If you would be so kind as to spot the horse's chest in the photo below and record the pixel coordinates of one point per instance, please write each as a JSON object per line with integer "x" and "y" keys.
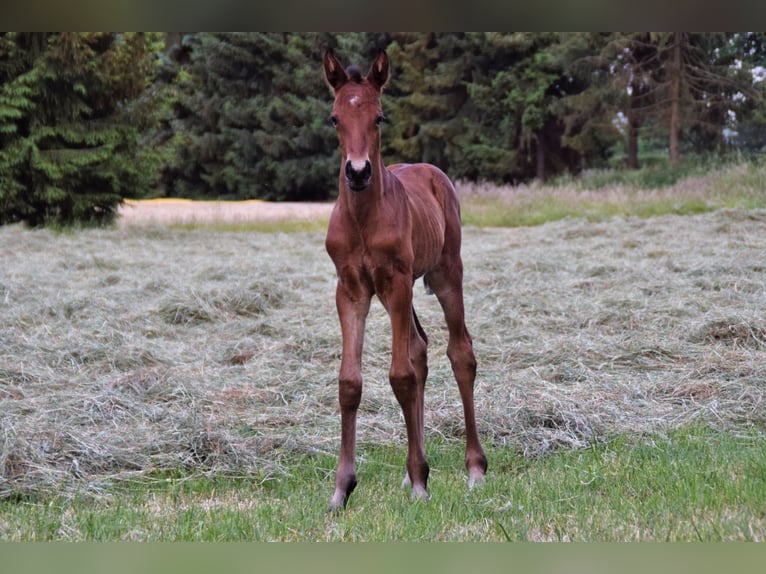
{"x": 371, "y": 254}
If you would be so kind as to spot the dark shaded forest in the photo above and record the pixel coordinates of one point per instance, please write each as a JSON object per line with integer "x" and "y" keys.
{"x": 90, "y": 119}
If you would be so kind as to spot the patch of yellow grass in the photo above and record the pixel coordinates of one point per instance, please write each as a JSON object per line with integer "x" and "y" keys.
{"x": 181, "y": 201}
{"x": 168, "y": 211}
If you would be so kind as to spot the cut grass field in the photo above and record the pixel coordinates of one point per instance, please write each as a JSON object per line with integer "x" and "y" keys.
{"x": 690, "y": 485}
{"x": 177, "y": 381}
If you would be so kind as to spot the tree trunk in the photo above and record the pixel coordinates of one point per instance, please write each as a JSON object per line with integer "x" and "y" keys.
{"x": 633, "y": 124}
{"x": 540, "y": 156}
{"x": 675, "y": 99}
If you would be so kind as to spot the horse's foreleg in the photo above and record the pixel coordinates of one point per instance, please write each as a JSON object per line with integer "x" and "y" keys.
{"x": 408, "y": 379}
{"x": 352, "y": 312}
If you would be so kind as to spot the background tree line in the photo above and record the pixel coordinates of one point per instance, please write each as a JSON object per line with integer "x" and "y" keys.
{"x": 87, "y": 120}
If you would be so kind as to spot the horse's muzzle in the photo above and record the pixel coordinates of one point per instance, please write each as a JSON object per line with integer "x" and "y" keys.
{"x": 358, "y": 180}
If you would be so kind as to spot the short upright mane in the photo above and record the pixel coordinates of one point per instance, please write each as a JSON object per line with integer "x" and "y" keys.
{"x": 355, "y": 74}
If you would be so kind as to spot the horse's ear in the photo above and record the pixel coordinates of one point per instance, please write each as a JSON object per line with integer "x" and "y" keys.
{"x": 378, "y": 74}
{"x": 334, "y": 73}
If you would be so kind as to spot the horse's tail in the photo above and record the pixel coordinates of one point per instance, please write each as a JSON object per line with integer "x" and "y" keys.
{"x": 429, "y": 291}
{"x": 419, "y": 327}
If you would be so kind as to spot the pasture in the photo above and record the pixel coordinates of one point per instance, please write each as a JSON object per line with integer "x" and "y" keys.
{"x": 164, "y": 382}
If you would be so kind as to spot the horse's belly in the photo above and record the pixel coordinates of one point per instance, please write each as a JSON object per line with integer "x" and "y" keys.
{"x": 427, "y": 244}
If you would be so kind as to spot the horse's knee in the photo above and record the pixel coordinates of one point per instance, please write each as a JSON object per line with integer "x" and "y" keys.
{"x": 403, "y": 383}
{"x": 462, "y": 358}
{"x": 349, "y": 392}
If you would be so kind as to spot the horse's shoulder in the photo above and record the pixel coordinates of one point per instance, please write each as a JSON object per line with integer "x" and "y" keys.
{"x": 423, "y": 178}
{"x": 413, "y": 168}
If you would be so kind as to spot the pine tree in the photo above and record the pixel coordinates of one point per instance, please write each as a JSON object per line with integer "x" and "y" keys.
{"x": 613, "y": 71}
{"x": 426, "y": 97}
{"x": 683, "y": 86}
{"x": 515, "y": 132}
{"x": 73, "y": 109}
{"x": 252, "y": 119}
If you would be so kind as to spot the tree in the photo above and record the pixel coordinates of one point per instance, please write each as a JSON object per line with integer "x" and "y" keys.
{"x": 691, "y": 87}
{"x": 252, "y": 118}
{"x": 426, "y": 97}
{"x": 746, "y": 124}
{"x": 73, "y": 111}
{"x": 615, "y": 69}
{"x": 592, "y": 108}
{"x": 679, "y": 87}
{"x": 515, "y": 132}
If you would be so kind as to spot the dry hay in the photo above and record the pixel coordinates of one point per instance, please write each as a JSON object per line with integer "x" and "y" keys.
{"x": 138, "y": 350}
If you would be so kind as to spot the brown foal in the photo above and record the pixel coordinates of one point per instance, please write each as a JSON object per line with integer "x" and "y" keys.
{"x": 389, "y": 227}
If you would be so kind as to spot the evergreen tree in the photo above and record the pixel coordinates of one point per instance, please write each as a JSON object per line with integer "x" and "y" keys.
{"x": 676, "y": 87}
{"x": 746, "y": 126}
{"x": 684, "y": 86}
{"x": 426, "y": 98}
{"x": 515, "y": 132}
{"x": 73, "y": 109}
{"x": 608, "y": 67}
{"x": 252, "y": 119}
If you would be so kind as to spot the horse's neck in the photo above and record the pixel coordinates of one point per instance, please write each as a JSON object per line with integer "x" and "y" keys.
{"x": 366, "y": 205}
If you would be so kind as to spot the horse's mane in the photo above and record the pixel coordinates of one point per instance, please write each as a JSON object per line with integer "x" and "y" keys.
{"x": 355, "y": 73}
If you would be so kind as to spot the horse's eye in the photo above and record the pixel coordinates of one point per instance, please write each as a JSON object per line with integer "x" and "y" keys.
{"x": 380, "y": 119}
{"x": 333, "y": 121}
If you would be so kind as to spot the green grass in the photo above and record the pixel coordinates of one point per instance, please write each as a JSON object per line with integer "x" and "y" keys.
{"x": 494, "y": 212}
{"x": 692, "y": 485}
{"x": 599, "y": 195}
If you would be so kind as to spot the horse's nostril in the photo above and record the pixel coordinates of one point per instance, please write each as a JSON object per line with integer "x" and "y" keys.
{"x": 362, "y": 174}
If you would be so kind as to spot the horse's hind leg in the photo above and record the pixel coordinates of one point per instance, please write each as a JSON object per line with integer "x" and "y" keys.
{"x": 461, "y": 356}
{"x": 419, "y": 358}
{"x": 407, "y": 376}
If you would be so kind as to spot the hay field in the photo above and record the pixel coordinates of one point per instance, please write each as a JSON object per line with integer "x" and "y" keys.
{"x": 143, "y": 349}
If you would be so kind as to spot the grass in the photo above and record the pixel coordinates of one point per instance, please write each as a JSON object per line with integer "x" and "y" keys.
{"x": 143, "y": 360}
{"x": 600, "y": 195}
{"x": 691, "y": 485}
{"x": 226, "y": 216}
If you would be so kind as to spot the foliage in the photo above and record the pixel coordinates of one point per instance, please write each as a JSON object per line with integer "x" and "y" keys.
{"x": 429, "y": 72}
{"x": 88, "y": 119}
{"x": 252, "y": 119}
{"x": 500, "y": 107}
{"x": 75, "y": 115}
{"x": 518, "y": 129}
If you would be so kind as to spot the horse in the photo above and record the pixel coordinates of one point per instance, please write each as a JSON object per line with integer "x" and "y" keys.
{"x": 390, "y": 226}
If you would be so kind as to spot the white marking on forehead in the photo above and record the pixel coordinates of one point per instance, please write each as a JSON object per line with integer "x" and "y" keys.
{"x": 353, "y": 101}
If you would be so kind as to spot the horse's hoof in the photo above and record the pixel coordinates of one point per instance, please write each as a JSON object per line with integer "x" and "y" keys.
{"x": 335, "y": 507}
{"x": 476, "y": 478}
{"x": 337, "y": 502}
{"x": 418, "y": 493}
{"x": 406, "y": 482}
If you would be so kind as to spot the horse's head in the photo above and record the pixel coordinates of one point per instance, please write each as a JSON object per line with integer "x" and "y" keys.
{"x": 357, "y": 115}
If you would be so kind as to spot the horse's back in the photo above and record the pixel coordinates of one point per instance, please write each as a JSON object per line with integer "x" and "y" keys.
{"x": 425, "y": 179}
